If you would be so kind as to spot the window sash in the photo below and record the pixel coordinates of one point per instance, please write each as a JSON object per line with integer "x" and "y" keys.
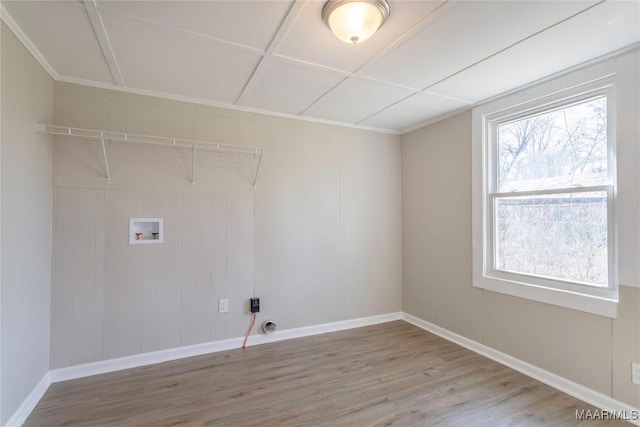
{"x": 490, "y": 185}
{"x": 545, "y": 281}
{"x": 553, "y": 191}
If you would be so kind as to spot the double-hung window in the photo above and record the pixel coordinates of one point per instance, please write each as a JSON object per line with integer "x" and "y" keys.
{"x": 548, "y": 178}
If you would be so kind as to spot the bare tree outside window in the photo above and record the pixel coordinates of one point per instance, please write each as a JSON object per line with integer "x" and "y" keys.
{"x": 555, "y": 234}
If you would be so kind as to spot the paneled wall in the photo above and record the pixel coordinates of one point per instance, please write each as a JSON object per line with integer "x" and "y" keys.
{"x": 318, "y": 240}
{"x": 27, "y": 96}
{"x": 591, "y": 350}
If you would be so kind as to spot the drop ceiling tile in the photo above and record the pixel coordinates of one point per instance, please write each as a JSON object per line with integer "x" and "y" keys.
{"x": 465, "y": 32}
{"x": 310, "y": 40}
{"x": 605, "y": 28}
{"x": 288, "y": 87}
{"x": 63, "y": 34}
{"x": 250, "y": 23}
{"x": 413, "y": 110}
{"x": 209, "y": 50}
{"x": 356, "y": 99}
{"x": 162, "y": 59}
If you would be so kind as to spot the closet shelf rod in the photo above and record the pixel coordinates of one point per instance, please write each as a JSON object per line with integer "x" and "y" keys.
{"x": 147, "y": 139}
{"x": 131, "y": 138}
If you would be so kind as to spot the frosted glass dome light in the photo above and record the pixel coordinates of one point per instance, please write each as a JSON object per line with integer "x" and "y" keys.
{"x": 354, "y": 21}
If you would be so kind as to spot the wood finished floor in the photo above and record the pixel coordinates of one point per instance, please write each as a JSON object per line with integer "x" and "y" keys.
{"x": 392, "y": 374}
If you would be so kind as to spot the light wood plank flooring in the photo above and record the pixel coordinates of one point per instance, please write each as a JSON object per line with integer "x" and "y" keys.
{"x": 382, "y": 375}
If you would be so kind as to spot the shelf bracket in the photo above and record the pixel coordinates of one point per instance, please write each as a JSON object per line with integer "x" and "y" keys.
{"x": 255, "y": 178}
{"x": 106, "y": 160}
{"x": 193, "y": 167}
{"x": 130, "y": 139}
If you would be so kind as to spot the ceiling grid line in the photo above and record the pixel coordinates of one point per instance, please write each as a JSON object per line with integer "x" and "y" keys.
{"x": 398, "y": 40}
{"x": 591, "y": 62}
{"x": 103, "y": 41}
{"x": 453, "y": 98}
{"x": 309, "y": 64}
{"x": 430, "y": 59}
{"x": 512, "y": 45}
{"x": 324, "y": 94}
{"x": 386, "y": 82}
{"x": 432, "y": 16}
{"x": 387, "y": 107}
{"x": 358, "y": 71}
{"x": 427, "y": 91}
{"x": 250, "y": 49}
{"x": 284, "y": 27}
{"x": 216, "y": 104}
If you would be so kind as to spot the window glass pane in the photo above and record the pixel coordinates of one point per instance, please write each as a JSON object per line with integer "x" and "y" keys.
{"x": 558, "y": 149}
{"x": 560, "y": 236}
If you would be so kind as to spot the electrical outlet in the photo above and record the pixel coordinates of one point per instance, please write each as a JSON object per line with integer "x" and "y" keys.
{"x": 254, "y": 305}
{"x": 223, "y": 305}
{"x": 635, "y": 373}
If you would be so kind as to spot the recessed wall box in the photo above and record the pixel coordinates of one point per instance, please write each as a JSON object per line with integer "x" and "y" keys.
{"x": 145, "y": 231}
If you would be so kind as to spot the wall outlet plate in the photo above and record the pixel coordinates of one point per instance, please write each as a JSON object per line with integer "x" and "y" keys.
{"x": 254, "y": 305}
{"x": 635, "y": 373}
{"x": 223, "y": 305}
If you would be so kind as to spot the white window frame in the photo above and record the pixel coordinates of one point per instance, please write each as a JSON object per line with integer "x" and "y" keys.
{"x": 486, "y": 119}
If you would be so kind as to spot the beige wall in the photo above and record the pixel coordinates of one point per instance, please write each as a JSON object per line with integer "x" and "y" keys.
{"x": 27, "y": 96}
{"x": 318, "y": 240}
{"x": 437, "y": 258}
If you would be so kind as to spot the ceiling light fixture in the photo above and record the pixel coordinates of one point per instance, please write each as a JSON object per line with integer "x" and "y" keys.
{"x": 354, "y": 21}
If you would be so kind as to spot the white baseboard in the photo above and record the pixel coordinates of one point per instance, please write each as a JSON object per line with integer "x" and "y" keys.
{"x": 112, "y": 365}
{"x": 24, "y": 410}
{"x": 592, "y": 397}
{"x": 581, "y": 392}
{"x": 134, "y": 361}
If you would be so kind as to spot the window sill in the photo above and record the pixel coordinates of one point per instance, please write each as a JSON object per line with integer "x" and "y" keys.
{"x": 576, "y": 301}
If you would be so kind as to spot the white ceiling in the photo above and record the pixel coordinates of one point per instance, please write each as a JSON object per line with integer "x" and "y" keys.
{"x": 429, "y": 59}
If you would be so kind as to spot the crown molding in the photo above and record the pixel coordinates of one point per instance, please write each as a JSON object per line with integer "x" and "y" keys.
{"x": 198, "y": 101}
{"x": 15, "y": 28}
{"x": 541, "y": 80}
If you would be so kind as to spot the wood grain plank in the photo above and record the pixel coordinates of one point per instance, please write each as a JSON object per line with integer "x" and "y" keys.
{"x": 382, "y": 375}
